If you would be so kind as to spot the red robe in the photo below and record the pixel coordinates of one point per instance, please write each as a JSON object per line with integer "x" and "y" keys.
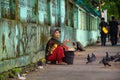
{"x": 58, "y": 53}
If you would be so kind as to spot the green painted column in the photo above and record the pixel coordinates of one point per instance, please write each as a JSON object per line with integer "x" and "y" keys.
{"x": 75, "y": 17}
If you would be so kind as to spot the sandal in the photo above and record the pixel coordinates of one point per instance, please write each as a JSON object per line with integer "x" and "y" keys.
{"x": 62, "y": 63}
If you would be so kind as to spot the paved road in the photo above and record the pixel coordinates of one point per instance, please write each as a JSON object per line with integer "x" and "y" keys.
{"x": 80, "y": 70}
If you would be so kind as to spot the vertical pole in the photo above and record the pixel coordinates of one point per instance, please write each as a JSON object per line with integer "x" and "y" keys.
{"x": 100, "y": 8}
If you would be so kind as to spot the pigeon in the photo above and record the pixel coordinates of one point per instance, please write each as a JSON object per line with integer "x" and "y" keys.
{"x": 89, "y": 59}
{"x": 80, "y": 46}
{"x": 107, "y": 57}
{"x": 117, "y": 59}
{"x": 105, "y": 62}
{"x": 93, "y": 57}
{"x": 113, "y": 58}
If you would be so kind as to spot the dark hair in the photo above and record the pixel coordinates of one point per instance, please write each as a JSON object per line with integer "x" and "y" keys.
{"x": 113, "y": 17}
{"x": 102, "y": 18}
{"x": 57, "y": 30}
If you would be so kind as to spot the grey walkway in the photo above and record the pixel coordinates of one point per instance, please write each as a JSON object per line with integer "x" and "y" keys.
{"x": 80, "y": 70}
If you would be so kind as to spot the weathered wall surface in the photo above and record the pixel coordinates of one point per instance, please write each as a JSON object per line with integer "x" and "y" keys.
{"x": 25, "y": 28}
{"x": 20, "y": 45}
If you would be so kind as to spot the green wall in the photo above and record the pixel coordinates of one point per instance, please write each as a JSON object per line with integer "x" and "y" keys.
{"x": 25, "y": 28}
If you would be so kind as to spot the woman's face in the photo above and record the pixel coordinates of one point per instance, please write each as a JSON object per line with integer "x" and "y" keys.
{"x": 56, "y": 34}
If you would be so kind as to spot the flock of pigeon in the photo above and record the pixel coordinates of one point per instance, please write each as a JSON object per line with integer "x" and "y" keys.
{"x": 106, "y": 59}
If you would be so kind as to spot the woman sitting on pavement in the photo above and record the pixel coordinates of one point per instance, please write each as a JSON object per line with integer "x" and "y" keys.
{"x": 55, "y": 49}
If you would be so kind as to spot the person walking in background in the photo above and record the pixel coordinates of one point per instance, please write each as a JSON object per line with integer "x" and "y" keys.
{"x": 113, "y": 24}
{"x": 103, "y": 25}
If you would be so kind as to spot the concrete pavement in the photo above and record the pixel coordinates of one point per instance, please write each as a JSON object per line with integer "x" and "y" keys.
{"x": 80, "y": 70}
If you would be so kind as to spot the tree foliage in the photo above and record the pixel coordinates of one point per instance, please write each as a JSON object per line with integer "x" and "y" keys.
{"x": 112, "y": 6}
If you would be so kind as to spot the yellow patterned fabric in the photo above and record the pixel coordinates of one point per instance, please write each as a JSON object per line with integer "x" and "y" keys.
{"x": 53, "y": 48}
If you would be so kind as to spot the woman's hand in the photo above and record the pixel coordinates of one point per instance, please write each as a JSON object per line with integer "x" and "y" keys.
{"x": 67, "y": 40}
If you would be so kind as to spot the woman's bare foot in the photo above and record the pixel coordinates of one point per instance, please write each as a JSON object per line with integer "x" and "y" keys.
{"x": 62, "y": 63}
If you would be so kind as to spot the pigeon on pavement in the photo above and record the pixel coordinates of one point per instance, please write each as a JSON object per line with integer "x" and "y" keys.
{"x": 105, "y": 62}
{"x": 93, "y": 57}
{"x": 89, "y": 60}
{"x": 107, "y": 57}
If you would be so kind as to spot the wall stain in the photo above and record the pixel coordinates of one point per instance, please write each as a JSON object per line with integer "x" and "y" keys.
{"x": 18, "y": 49}
{"x": 24, "y": 40}
{"x": 9, "y": 34}
{"x": 3, "y": 43}
{"x": 4, "y": 50}
{"x": 43, "y": 38}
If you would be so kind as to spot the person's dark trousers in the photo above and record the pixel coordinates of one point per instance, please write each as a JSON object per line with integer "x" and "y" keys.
{"x": 113, "y": 38}
{"x": 108, "y": 36}
{"x": 103, "y": 39}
